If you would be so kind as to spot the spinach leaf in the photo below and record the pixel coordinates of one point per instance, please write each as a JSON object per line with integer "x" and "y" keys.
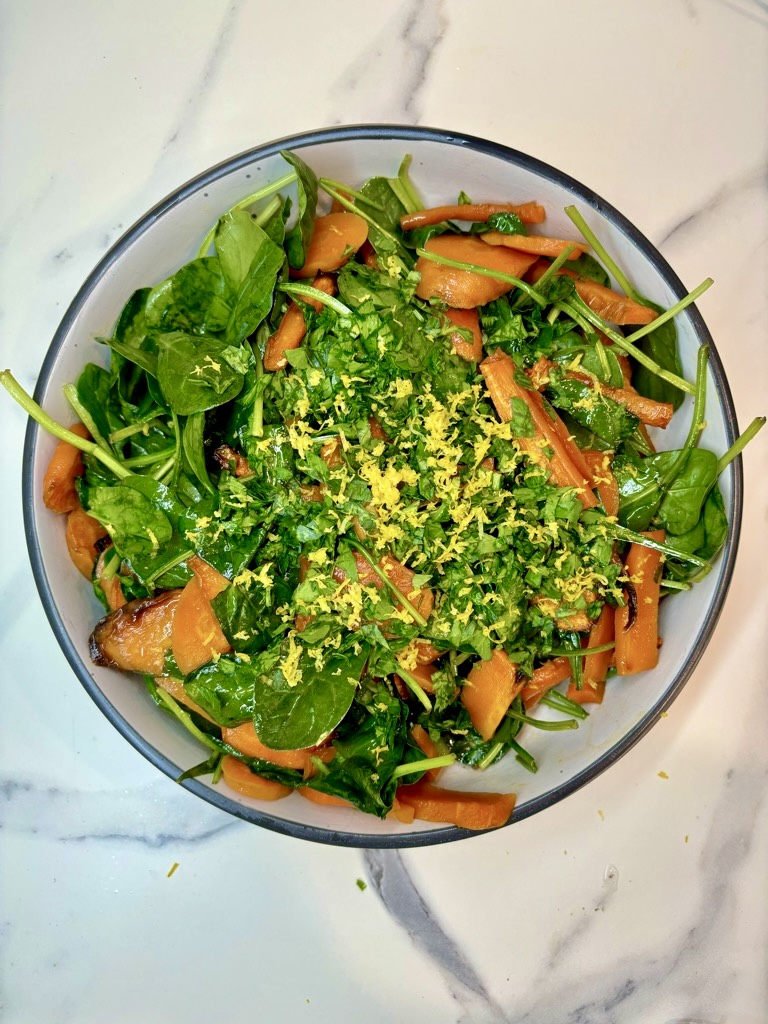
{"x": 660, "y": 345}
{"x": 521, "y": 423}
{"x": 587, "y": 266}
{"x": 302, "y": 710}
{"x": 193, "y": 373}
{"x": 505, "y": 224}
{"x": 224, "y": 689}
{"x": 250, "y": 262}
{"x": 682, "y": 505}
{"x": 601, "y": 415}
{"x": 192, "y": 441}
{"x": 135, "y": 524}
{"x": 249, "y": 618}
{"x": 196, "y": 299}
{"x": 298, "y": 238}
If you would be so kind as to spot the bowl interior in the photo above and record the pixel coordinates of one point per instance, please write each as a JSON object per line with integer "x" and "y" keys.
{"x": 442, "y": 165}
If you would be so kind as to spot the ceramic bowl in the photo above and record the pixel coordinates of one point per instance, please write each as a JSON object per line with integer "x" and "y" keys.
{"x": 166, "y": 237}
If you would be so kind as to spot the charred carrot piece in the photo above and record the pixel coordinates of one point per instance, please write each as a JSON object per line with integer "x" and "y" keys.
{"x": 488, "y": 691}
{"x": 473, "y": 811}
{"x": 66, "y": 465}
{"x": 608, "y": 304}
{"x": 544, "y": 678}
{"x": 637, "y": 622}
{"x": 595, "y": 669}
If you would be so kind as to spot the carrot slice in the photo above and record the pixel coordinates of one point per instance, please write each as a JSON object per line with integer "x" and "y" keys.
{"x": 637, "y": 631}
{"x": 468, "y": 320}
{"x": 335, "y": 238}
{"x": 211, "y": 580}
{"x": 243, "y": 738}
{"x": 488, "y": 691}
{"x": 292, "y": 328}
{"x": 596, "y": 665}
{"x": 238, "y": 776}
{"x": 82, "y": 533}
{"x": 647, "y": 410}
{"x": 529, "y": 213}
{"x": 59, "y": 492}
{"x": 196, "y": 634}
{"x": 422, "y": 600}
{"x": 599, "y": 464}
{"x": 463, "y": 289}
{"x": 610, "y": 305}
{"x": 426, "y": 745}
{"x": 135, "y": 637}
{"x": 466, "y": 810}
{"x": 544, "y": 678}
{"x": 499, "y": 373}
{"x": 325, "y": 799}
{"x": 538, "y": 245}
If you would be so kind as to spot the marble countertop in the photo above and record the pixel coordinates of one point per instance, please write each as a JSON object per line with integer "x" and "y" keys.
{"x": 641, "y": 898}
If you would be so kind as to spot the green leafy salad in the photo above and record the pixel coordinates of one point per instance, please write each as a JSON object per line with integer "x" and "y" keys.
{"x": 360, "y": 488}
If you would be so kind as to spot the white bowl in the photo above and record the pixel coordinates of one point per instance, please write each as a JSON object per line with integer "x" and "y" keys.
{"x": 168, "y": 236}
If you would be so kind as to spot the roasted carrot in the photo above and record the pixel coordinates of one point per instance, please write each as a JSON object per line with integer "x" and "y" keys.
{"x": 426, "y": 745}
{"x": 596, "y": 666}
{"x": 135, "y": 637}
{"x": 468, "y": 320}
{"x": 335, "y": 238}
{"x": 473, "y": 811}
{"x": 197, "y": 637}
{"x": 243, "y": 738}
{"x": 529, "y": 213}
{"x": 648, "y": 410}
{"x": 499, "y": 373}
{"x": 238, "y": 776}
{"x": 331, "y": 455}
{"x": 463, "y": 289}
{"x": 488, "y": 690}
{"x": 544, "y": 678}
{"x": 399, "y": 575}
{"x": 368, "y": 256}
{"x": 316, "y": 796}
{"x": 608, "y": 304}
{"x": 82, "y": 533}
{"x": 599, "y": 464}
{"x": 377, "y": 431}
{"x": 401, "y": 812}
{"x": 59, "y": 492}
{"x": 292, "y": 328}
{"x": 211, "y": 580}
{"x": 537, "y": 245}
{"x": 637, "y": 622}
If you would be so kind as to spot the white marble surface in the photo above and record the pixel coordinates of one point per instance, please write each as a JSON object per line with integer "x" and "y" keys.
{"x": 639, "y": 899}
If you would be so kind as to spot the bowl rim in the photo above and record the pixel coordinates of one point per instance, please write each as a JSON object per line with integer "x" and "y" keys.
{"x": 403, "y": 133}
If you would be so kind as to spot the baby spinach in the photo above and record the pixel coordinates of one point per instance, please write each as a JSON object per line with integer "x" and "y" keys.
{"x": 298, "y": 238}
{"x": 604, "y": 417}
{"x": 196, "y": 299}
{"x": 681, "y": 507}
{"x": 135, "y": 524}
{"x": 194, "y": 374}
{"x": 224, "y": 689}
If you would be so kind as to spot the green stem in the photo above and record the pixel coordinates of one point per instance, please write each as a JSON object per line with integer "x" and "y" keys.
{"x": 257, "y": 416}
{"x": 150, "y": 458}
{"x": 473, "y": 268}
{"x": 571, "y": 653}
{"x": 262, "y": 193}
{"x": 554, "y": 266}
{"x": 403, "y": 188}
{"x": 668, "y": 314}
{"x": 185, "y": 720}
{"x": 135, "y": 428}
{"x": 610, "y": 264}
{"x": 413, "y": 685}
{"x": 528, "y": 761}
{"x": 737, "y": 447}
{"x": 622, "y": 533}
{"x": 415, "y": 615}
{"x": 71, "y": 395}
{"x": 541, "y": 723}
{"x": 339, "y": 186}
{"x": 675, "y": 584}
{"x": 268, "y": 212}
{"x": 577, "y": 305}
{"x": 559, "y": 702}
{"x": 411, "y": 767}
{"x": 306, "y": 291}
{"x": 171, "y": 563}
{"x": 33, "y": 410}
{"x": 490, "y": 757}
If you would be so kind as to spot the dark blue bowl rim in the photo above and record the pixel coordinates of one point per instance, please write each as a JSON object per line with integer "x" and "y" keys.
{"x": 405, "y": 134}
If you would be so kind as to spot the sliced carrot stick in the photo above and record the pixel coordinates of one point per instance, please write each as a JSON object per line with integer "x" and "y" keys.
{"x": 538, "y": 245}
{"x": 468, "y": 320}
{"x": 335, "y": 238}
{"x": 401, "y": 812}
{"x": 466, "y": 810}
{"x": 610, "y": 305}
{"x": 529, "y": 213}
{"x": 197, "y": 637}
{"x": 599, "y": 464}
{"x": 544, "y": 678}
{"x": 292, "y": 328}
{"x": 488, "y": 690}
{"x": 499, "y": 373}
{"x": 463, "y": 289}
{"x": 243, "y": 738}
{"x": 596, "y": 666}
{"x": 59, "y": 493}
{"x": 637, "y": 622}
{"x": 647, "y": 410}
{"x": 427, "y": 746}
{"x": 211, "y": 580}
{"x": 82, "y": 533}
{"x": 238, "y": 776}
